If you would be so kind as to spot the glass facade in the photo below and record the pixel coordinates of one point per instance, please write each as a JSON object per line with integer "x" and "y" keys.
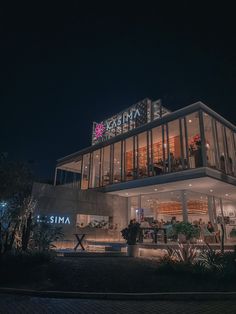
{"x": 164, "y": 209}
{"x": 85, "y": 171}
{"x": 191, "y": 141}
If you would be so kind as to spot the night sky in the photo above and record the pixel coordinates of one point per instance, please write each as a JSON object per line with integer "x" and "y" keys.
{"x": 63, "y": 66}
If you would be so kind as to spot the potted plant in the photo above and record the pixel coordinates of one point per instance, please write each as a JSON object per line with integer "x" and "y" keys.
{"x": 130, "y": 234}
{"x": 233, "y": 234}
{"x": 186, "y": 231}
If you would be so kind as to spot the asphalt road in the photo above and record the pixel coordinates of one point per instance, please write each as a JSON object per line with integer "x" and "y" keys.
{"x": 26, "y": 304}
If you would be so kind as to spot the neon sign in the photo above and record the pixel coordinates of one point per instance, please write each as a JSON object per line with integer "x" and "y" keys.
{"x": 133, "y": 117}
{"x": 99, "y": 130}
{"x": 61, "y": 220}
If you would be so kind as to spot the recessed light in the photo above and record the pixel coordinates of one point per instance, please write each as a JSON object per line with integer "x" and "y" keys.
{"x": 190, "y": 121}
{"x": 155, "y": 189}
{"x": 211, "y": 191}
{"x": 226, "y": 194}
{"x": 126, "y": 193}
{"x": 190, "y": 184}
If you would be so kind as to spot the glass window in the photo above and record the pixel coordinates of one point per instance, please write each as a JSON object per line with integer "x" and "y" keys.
{"x": 229, "y": 213}
{"x": 175, "y": 162}
{"x": 157, "y": 151}
{"x": 117, "y": 162}
{"x": 194, "y": 140}
{"x": 185, "y": 159}
{"x": 230, "y": 151}
{"x": 106, "y": 166}
{"x": 129, "y": 159}
{"x": 165, "y": 148}
{"x": 142, "y": 154}
{"x": 197, "y": 205}
{"x": 95, "y": 169}
{"x": 220, "y": 141}
{"x": 85, "y": 172}
{"x": 209, "y": 138}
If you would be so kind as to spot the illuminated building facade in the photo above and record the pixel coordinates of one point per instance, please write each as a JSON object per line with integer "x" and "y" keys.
{"x": 158, "y": 164}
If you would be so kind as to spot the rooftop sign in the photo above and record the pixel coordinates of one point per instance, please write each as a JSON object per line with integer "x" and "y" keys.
{"x": 131, "y": 118}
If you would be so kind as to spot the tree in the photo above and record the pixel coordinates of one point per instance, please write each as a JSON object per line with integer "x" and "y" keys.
{"x": 15, "y": 203}
{"x": 45, "y": 234}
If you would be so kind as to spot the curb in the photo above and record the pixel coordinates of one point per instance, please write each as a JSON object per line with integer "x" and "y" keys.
{"x": 165, "y": 296}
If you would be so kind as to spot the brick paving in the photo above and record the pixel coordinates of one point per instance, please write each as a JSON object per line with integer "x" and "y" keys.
{"x": 25, "y": 304}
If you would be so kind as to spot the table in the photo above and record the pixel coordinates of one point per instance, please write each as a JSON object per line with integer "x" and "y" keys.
{"x": 155, "y": 233}
{"x": 80, "y": 238}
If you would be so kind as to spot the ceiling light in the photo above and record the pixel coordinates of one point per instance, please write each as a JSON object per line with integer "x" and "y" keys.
{"x": 226, "y": 194}
{"x": 190, "y": 121}
{"x": 126, "y": 193}
{"x": 211, "y": 191}
{"x": 155, "y": 189}
{"x": 190, "y": 184}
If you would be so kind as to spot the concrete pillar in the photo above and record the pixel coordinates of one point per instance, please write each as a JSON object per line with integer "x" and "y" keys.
{"x": 210, "y": 204}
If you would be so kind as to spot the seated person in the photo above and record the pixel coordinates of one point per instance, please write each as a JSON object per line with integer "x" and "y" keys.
{"x": 144, "y": 224}
{"x": 157, "y": 169}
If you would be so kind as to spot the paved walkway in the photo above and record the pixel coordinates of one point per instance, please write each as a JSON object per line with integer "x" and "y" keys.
{"x": 24, "y": 304}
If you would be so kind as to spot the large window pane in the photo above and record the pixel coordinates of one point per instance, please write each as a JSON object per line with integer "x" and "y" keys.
{"x": 185, "y": 162}
{"x": 106, "y": 166}
{"x": 221, "y": 145}
{"x": 175, "y": 162}
{"x": 230, "y": 151}
{"x": 95, "y": 169}
{"x": 129, "y": 159}
{"x": 194, "y": 140}
{"x": 117, "y": 162}
{"x": 142, "y": 154}
{"x": 85, "y": 172}
{"x": 157, "y": 149}
{"x": 209, "y": 138}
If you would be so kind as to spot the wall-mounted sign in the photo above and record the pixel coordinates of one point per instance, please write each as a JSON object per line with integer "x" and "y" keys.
{"x": 141, "y": 113}
{"x": 53, "y": 219}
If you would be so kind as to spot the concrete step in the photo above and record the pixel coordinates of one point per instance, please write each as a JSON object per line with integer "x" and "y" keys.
{"x": 91, "y": 254}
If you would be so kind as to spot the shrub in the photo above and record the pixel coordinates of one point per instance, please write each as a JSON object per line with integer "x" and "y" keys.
{"x": 187, "y": 229}
{"x": 184, "y": 253}
{"x": 222, "y": 264}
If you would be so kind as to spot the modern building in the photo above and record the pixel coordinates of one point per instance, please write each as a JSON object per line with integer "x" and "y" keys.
{"x": 147, "y": 163}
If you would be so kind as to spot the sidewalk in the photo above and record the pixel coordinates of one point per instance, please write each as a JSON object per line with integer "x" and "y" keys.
{"x": 10, "y": 304}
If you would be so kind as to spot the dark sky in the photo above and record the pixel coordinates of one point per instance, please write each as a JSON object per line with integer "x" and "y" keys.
{"x": 63, "y": 66}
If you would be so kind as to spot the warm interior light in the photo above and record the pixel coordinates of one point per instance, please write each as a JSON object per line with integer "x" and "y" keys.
{"x": 190, "y": 121}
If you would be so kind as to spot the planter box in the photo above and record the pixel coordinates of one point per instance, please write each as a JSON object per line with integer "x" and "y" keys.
{"x": 133, "y": 250}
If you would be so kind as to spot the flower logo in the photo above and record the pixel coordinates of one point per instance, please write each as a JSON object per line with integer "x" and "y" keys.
{"x": 99, "y": 130}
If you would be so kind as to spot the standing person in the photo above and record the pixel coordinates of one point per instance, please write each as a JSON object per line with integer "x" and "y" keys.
{"x": 210, "y": 227}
